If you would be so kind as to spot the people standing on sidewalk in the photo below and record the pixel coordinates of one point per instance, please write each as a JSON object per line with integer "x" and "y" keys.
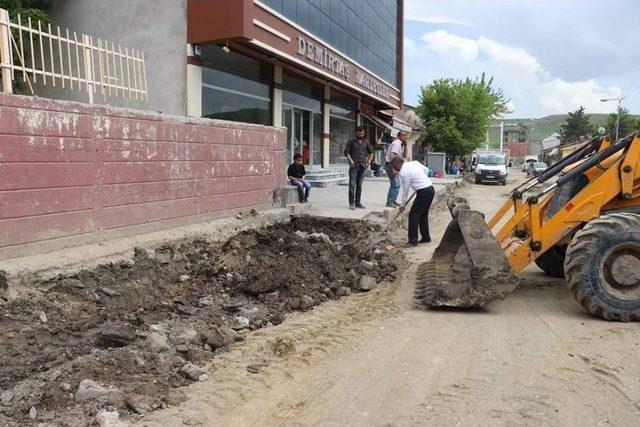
{"x": 415, "y": 175}
{"x": 296, "y": 174}
{"x": 359, "y": 153}
{"x": 395, "y": 149}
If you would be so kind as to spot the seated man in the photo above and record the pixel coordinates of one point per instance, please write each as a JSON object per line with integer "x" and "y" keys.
{"x": 296, "y": 174}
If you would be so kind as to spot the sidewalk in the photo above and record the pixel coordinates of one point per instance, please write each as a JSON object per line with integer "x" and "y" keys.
{"x": 333, "y": 201}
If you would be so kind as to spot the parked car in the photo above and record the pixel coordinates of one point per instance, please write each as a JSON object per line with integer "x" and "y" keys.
{"x": 536, "y": 168}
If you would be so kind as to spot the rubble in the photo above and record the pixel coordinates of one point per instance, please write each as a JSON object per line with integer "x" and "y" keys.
{"x": 121, "y": 339}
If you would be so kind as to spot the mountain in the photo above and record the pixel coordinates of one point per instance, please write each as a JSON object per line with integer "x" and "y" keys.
{"x": 542, "y": 127}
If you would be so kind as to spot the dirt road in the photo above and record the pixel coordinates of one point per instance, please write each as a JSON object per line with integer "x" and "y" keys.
{"x": 536, "y": 358}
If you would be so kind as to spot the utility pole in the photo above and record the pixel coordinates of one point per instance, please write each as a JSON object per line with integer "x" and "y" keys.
{"x": 501, "y": 135}
{"x": 618, "y": 117}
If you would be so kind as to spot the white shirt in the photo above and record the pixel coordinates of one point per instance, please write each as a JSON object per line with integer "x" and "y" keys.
{"x": 394, "y": 147}
{"x": 413, "y": 175}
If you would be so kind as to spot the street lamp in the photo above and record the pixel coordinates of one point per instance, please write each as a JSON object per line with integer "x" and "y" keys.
{"x": 617, "y": 118}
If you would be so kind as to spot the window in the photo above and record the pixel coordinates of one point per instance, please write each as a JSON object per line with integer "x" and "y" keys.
{"x": 342, "y": 125}
{"x": 347, "y": 25}
{"x": 235, "y": 87}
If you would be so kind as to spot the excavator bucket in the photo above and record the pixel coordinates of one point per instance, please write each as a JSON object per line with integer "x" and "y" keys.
{"x": 469, "y": 267}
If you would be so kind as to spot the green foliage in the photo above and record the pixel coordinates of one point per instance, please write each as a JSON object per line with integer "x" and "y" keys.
{"x": 456, "y": 113}
{"x": 578, "y": 124}
{"x": 628, "y": 123}
{"x": 34, "y": 9}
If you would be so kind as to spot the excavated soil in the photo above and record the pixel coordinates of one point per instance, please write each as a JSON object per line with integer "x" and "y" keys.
{"x": 126, "y": 336}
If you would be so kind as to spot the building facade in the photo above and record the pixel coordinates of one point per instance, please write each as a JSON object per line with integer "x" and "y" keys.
{"x": 317, "y": 67}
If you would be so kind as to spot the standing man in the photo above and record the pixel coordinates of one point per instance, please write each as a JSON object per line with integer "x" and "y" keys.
{"x": 359, "y": 153}
{"x": 416, "y": 176}
{"x": 395, "y": 149}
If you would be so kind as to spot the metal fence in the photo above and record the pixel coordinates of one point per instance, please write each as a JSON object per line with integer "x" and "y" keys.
{"x": 41, "y": 54}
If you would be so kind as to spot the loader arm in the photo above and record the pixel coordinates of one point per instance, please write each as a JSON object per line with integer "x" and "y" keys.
{"x": 476, "y": 261}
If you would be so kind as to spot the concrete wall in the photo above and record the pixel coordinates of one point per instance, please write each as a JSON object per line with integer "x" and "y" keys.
{"x": 158, "y": 28}
{"x": 74, "y": 173}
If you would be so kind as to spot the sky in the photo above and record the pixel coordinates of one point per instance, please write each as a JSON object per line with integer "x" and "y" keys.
{"x": 547, "y": 56}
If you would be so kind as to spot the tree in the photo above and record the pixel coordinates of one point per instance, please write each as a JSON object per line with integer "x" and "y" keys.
{"x": 456, "y": 113}
{"x": 34, "y": 9}
{"x": 578, "y": 124}
{"x": 627, "y": 123}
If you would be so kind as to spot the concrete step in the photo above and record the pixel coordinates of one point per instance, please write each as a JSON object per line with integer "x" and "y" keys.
{"x": 328, "y": 182}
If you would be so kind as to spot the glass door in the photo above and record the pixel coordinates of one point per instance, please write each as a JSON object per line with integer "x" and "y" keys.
{"x": 304, "y": 132}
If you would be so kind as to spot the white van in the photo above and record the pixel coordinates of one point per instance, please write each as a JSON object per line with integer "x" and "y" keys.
{"x": 491, "y": 166}
{"x": 528, "y": 160}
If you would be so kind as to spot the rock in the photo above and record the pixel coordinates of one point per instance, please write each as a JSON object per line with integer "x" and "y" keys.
{"x": 256, "y": 367}
{"x": 249, "y": 313}
{"x": 301, "y": 234}
{"x": 106, "y": 418}
{"x": 158, "y": 328}
{"x": 89, "y": 389}
{"x": 319, "y": 237}
{"x": 33, "y": 413}
{"x": 114, "y": 337}
{"x": 367, "y": 264}
{"x": 240, "y": 323}
{"x": 220, "y": 336}
{"x": 367, "y": 283}
{"x": 187, "y": 336}
{"x": 233, "y": 306}
{"x": 54, "y": 375}
{"x": 65, "y": 386}
{"x": 43, "y": 317}
{"x": 193, "y": 372}
{"x": 205, "y": 301}
{"x": 163, "y": 257}
{"x": 141, "y": 404}
{"x": 157, "y": 342}
{"x": 186, "y": 310}
{"x": 184, "y": 278}
{"x": 175, "y": 397}
{"x": 148, "y": 389}
{"x": 108, "y": 291}
{"x": 306, "y": 302}
{"x": 72, "y": 283}
{"x": 343, "y": 291}
{"x": 378, "y": 254}
{"x": 239, "y": 216}
{"x": 7, "y": 397}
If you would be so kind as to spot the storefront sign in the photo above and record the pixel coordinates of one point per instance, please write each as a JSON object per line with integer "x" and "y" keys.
{"x": 328, "y": 60}
{"x": 322, "y": 56}
{"x": 373, "y": 85}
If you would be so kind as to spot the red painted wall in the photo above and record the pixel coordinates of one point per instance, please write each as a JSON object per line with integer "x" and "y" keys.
{"x": 70, "y": 170}
{"x": 517, "y": 149}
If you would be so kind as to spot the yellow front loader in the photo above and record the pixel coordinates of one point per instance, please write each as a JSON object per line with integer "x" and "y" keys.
{"x": 585, "y": 227}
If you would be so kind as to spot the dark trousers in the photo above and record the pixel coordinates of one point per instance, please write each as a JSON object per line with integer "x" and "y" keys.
{"x": 419, "y": 214}
{"x": 356, "y": 176}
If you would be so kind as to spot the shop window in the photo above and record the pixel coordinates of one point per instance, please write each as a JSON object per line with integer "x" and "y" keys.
{"x": 342, "y": 125}
{"x": 235, "y": 87}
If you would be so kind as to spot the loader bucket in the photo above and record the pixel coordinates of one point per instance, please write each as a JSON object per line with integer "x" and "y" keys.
{"x": 468, "y": 268}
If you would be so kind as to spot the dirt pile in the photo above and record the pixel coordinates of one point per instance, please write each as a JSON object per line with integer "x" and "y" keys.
{"x": 123, "y": 337}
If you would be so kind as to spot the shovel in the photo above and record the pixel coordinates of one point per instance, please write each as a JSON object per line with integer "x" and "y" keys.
{"x": 400, "y": 213}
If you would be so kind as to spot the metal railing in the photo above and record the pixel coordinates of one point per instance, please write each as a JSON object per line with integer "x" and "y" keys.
{"x": 34, "y": 53}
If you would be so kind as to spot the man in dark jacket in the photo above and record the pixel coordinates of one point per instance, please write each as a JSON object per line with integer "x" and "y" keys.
{"x": 359, "y": 153}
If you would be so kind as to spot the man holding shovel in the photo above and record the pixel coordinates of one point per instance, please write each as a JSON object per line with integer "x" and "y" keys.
{"x": 415, "y": 175}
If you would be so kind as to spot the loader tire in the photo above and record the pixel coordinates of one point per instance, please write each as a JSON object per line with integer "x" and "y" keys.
{"x": 552, "y": 261}
{"x": 602, "y": 267}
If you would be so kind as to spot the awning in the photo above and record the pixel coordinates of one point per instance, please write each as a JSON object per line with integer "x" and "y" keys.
{"x": 378, "y": 121}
